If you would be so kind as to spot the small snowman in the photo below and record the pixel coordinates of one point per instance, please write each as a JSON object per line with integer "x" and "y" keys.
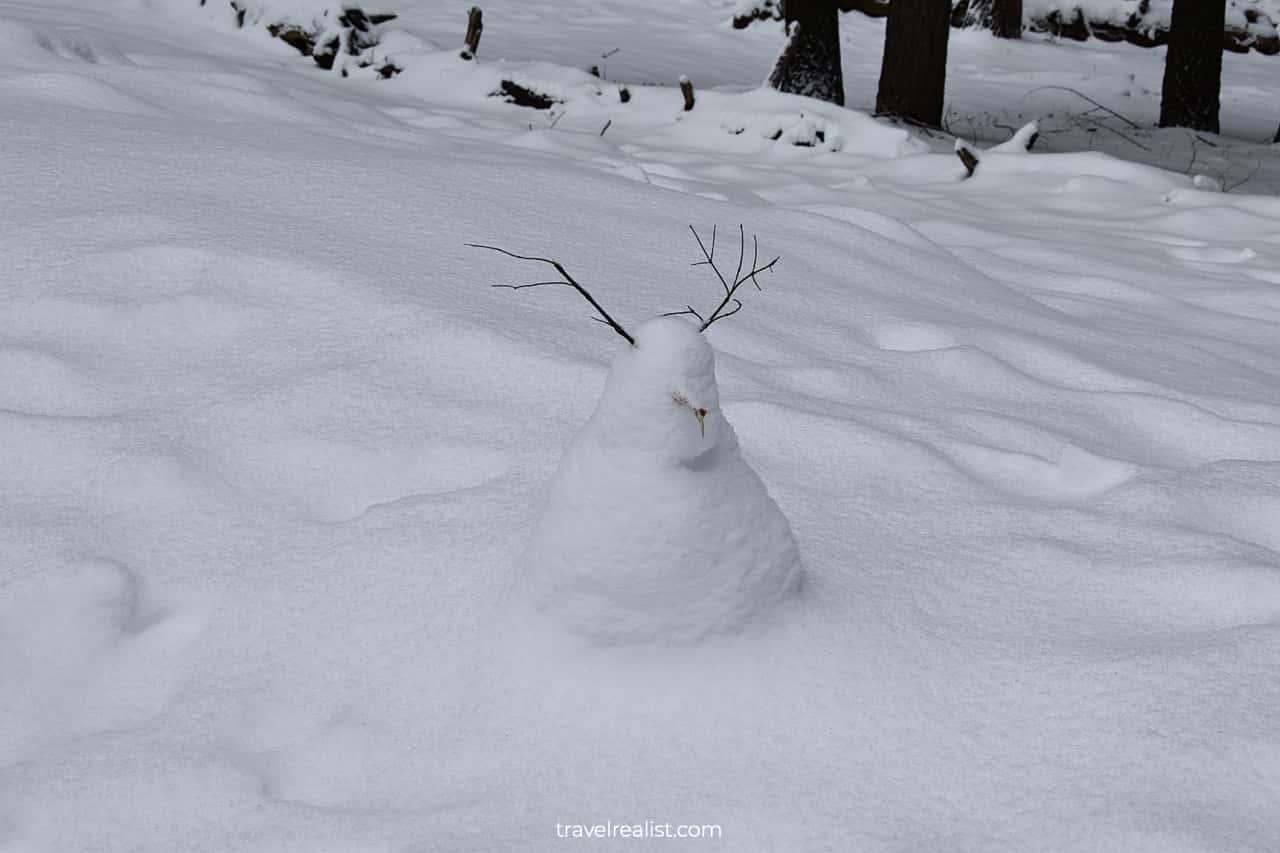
{"x": 656, "y": 528}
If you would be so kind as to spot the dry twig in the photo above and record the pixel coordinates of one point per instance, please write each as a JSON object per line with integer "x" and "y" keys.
{"x": 566, "y": 280}
{"x": 1097, "y": 105}
{"x": 739, "y": 277}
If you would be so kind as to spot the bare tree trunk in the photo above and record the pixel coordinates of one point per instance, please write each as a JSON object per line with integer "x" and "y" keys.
{"x": 913, "y": 73}
{"x": 1193, "y": 65}
{"x": 1006, "y": 19}
{"x": 810, "y": 62}
{"x": 1002, "y": 17}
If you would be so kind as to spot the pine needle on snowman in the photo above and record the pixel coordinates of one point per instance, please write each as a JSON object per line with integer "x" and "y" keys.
{"x": 656, "y": 528}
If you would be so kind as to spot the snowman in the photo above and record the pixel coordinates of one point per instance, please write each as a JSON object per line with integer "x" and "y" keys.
{"x": 656, "y": 528}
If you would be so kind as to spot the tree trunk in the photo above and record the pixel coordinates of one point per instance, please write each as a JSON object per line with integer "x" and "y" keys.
{"x": 1193, "y": 65}
{"x": 913, "y": 73}
{"x": 1002, "y": 17}
{"x": 810, "y": 62}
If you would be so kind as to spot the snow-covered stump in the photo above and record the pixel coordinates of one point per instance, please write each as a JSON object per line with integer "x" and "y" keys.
{"x": 686, "y": 91}
{"x": 475, "y": 26}
{"x": 1020, "y": 143}
{"x": 656, "y": 528}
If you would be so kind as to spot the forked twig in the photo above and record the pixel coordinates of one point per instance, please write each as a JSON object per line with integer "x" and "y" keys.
{"x": 567, "y": 281}
{"x": 739, "y": 277}
{"x": 688, "y": 309}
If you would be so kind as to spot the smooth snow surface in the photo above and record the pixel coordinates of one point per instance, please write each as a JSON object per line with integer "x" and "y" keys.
{"x": 271, "y": 450}
{"x": 656, "y": 528}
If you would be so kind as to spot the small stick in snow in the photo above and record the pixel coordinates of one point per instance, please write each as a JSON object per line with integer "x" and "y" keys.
{"x": 566, "y": 280}
{"x": 607, "y": 125}
{"x": 686, "y": 89}
{"x": 967, "y": 157}
{"x": 1021, "y": 142}
{"x": 475, "y": 26}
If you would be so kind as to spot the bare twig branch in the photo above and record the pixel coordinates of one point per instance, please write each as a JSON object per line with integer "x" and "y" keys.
{"x": 1194, "y": 154}
{"x": 730, "y": 301}
{"x": 1123, "y": 136}
{"x": 742, "y": 251}
{"x": 568, "y": 281}
{"x": 755, "y": 261}
{"x": 523, "y": 286}
{"x": 710, "y": 256}
{"x": 737, "y": 303}
{"x": 1090, "y": 124}
{"x": 1080, "y": 94}
{"x": 1228, "y": 187}
{"x": 688, "y": 309}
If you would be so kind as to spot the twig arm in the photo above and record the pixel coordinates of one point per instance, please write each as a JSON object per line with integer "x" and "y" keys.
{"x": 568, "y": 281}
{"x": 740, "y": 278}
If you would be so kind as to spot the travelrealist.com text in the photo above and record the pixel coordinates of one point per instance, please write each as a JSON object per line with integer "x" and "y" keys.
{"x": 644, "y": 829}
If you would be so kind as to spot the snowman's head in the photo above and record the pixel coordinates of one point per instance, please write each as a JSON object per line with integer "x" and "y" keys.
{"x": 660, "y": 399}
{"x": 661, "y": 394}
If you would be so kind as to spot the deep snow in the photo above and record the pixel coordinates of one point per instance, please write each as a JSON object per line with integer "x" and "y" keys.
{"x": 271, "y": 449}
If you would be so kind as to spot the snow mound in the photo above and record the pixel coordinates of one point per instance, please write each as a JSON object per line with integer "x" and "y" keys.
{"x": 810, "y": 123}
{"x": 656, "y": 527}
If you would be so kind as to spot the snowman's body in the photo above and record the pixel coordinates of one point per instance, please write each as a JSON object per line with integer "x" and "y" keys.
{"x": 656, "y": 528}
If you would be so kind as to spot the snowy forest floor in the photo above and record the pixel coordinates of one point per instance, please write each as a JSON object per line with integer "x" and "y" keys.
{"x": 270, "y": 445}
{"x": 993, "y": 86}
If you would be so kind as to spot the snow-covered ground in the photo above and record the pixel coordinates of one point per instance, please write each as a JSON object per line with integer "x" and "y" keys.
{"x": 271, "y": 447}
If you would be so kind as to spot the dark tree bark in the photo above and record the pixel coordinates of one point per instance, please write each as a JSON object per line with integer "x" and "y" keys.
{"x": 1002, "y": 17}
{"x": 810, "y": 62}
{"x": 1193, "y": 65}
{"x": 913, "y": 73}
